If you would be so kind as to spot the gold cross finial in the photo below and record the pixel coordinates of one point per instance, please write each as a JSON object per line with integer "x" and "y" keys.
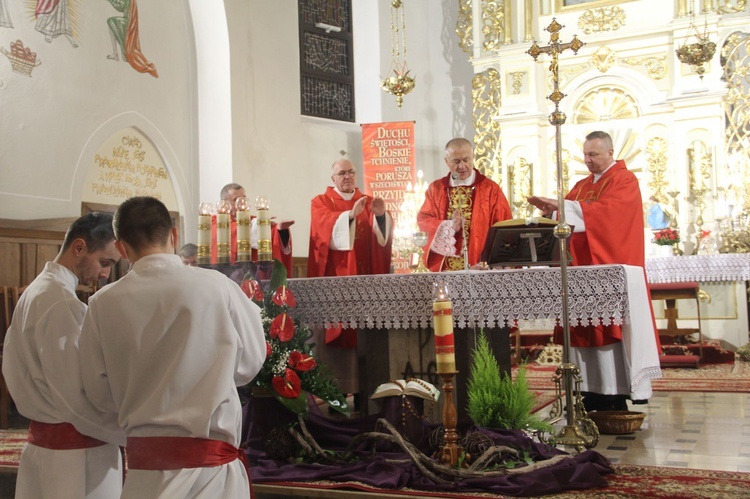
{"x": 555, "y": 48}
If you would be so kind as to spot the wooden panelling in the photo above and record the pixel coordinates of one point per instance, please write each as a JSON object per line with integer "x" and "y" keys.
{"x": 26, "y": 245}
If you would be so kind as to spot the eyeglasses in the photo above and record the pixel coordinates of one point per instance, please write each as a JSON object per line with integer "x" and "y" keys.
{"x": 344, "y": 173}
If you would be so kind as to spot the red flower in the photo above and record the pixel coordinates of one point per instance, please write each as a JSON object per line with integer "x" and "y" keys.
{"x": 269, "y": 349}
{"x": 282, "y": 328}
{"x": 289, "y": 386}
{"x": 284, "y": 296}
{"x": 301, "y": 361}
{"x": 252, "y": 289}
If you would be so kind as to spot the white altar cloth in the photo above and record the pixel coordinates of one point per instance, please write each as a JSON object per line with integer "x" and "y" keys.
{"x": 600, "y": 293}
{"x": 699, "y": 268}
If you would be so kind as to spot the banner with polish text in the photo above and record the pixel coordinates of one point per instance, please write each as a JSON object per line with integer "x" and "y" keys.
{"x": 389, "y": 166}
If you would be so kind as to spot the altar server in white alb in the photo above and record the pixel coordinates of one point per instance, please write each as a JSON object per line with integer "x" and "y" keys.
{"x": 67, "y": 454}
{"x": 164, "y": 349}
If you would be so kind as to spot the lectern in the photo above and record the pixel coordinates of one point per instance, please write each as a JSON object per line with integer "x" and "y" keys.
{"x": 522, "y": 243}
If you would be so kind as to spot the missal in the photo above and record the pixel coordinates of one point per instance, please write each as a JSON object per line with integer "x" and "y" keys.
{"x": 412, "y": 386}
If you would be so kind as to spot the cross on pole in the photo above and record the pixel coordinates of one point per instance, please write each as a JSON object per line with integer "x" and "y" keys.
{"x": 580, "y": 431}
{"x": 555, "y": 48}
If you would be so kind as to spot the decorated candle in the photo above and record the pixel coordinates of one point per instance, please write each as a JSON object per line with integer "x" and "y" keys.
{"x": 243, "y": 229}
{"x": 442, "y": 323}
{"x": 223, "y": 209}
{"x": 263, "y": 206}
{"x": 204, "y": 233}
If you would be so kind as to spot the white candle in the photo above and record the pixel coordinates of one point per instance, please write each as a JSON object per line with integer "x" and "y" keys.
{"x": 204, "y": 233}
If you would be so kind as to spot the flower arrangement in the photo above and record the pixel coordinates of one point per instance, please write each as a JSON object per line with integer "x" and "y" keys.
{"x": 290, "y": 371}
{"x": 666, "y": 237}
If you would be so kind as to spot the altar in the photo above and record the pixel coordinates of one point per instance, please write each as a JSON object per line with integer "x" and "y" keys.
{"x": 723, "y": 277}
{"x": 376, "y": 305}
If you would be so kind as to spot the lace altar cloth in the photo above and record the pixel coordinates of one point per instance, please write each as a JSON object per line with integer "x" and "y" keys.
{"x": 480, "y": 298}
{"x": 701, "y": 268}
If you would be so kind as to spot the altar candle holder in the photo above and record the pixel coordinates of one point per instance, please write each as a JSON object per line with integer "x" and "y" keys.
{"x": 204, "y": 233}
{"x": 243, "y": 229}
{"x": 263, "y": 205}
{"x": 223, "y": 210}
{"x": 445, "y": 357}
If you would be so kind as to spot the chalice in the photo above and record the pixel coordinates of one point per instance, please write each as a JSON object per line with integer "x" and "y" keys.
{"x": 420, "y": 240}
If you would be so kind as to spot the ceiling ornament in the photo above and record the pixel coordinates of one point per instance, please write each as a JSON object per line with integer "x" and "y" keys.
{"x": 464, "y": 25}
{"x": 493, "y": 24}
{"x": 602, "y": 19}
{"x": 699, "y": 52}
{"x": 603, "y": 58}
{"x": 656, "y": 66}
{"x": 486, "y": 96}
{"x": 605, "y": 104}
{"x": 398, "y": 82}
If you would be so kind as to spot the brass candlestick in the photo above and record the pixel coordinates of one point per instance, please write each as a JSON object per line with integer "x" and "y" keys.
{"x": 450, "y": 452}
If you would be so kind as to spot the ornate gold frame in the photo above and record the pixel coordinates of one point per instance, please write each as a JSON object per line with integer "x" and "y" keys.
{"x": 561, "y": 7}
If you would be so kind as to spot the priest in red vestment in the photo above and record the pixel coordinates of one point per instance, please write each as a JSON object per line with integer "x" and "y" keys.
{"x": 281, "y": 237}
{"x": 606, "y": 212}
{"x": 350, "y": 234}
{"x": 464, "y": 202}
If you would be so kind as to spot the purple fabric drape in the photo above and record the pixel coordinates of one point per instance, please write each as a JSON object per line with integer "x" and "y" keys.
{"x": 581, "y": 471}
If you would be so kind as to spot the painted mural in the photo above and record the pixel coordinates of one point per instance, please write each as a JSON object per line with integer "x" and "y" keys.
{"x": 123, "y": 31}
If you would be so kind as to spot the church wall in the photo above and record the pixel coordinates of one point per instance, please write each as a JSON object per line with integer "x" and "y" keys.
{"x": 54, "y": 120}
{"x": 287, "y": 157}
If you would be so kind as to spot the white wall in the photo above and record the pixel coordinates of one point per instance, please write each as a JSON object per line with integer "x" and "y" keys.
{"x": 52, "y": 122}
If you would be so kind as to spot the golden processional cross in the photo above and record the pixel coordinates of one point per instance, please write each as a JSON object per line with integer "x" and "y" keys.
{"x": 580, "y": 431}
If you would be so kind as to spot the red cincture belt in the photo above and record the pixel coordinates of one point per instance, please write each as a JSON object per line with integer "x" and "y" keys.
{"x": 59, "y": 436}
{"x": 174, "y": 453}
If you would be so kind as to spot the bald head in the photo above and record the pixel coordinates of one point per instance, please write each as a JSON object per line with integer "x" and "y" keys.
{"x": 343, "y": 175}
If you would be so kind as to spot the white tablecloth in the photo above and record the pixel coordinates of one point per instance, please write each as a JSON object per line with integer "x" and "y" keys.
{"x": 699, "y": 268}
{"x": 602, "y": 293}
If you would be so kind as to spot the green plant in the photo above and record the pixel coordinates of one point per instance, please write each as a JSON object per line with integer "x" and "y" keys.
{"x": 744, "y": 352}
{"x": 495, "y": 399}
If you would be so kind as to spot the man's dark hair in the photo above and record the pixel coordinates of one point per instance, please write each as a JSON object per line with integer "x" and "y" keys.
{"x": 601, "y": 136}
{"x": 188, "y": 250}
{"x": 142, "y": 221}
{"x": 94, "y": 228}
{"x": 457, "y": 142}
{"x": 229, "y": 187}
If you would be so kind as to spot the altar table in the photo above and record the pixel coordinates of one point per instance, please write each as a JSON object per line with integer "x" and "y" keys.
{"x": 493, "y": 299}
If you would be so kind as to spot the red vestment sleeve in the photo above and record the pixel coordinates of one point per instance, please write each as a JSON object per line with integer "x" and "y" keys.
{"x": 322, "y": 219}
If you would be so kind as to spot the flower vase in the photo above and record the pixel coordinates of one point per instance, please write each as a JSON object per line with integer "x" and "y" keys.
{"x": 663, "y": 251}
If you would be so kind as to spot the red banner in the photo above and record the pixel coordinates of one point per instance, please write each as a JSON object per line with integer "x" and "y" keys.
{"x": 389, "y": 165}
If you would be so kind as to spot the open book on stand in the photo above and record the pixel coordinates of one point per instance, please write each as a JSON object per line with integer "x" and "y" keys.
{"x": 412, "y": 386}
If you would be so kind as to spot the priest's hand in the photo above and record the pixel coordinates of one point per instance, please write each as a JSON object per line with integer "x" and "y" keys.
{"x": 284, "y": 224}
{"x": 378, "y": 207}
{"x": 546, "y": 205}
{"x": 358, "y": 208}
{"x": 458, "y": 221}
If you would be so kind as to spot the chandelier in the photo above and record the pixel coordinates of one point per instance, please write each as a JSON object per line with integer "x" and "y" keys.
{"x": 698, "y": 53}
{"x": 398, "y": 82}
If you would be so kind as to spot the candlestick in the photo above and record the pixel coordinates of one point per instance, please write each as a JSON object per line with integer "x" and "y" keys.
{"x": 204, "y": 233}
{"x": 223, "y": 209}
{"x": 263, "y": 206}
{"x": 243, "y": 229}
{"x": 442, "y": 323}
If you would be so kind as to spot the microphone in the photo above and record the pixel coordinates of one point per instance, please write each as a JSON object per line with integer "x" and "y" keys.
{"x": 454, "y": 175}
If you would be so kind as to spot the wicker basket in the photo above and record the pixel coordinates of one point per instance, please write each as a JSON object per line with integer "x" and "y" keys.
{"x": 617, "y": 422}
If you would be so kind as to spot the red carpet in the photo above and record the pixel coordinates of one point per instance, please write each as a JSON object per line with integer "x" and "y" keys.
{"x": 628, "y": 481}
{"x": 707, "y": 378}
